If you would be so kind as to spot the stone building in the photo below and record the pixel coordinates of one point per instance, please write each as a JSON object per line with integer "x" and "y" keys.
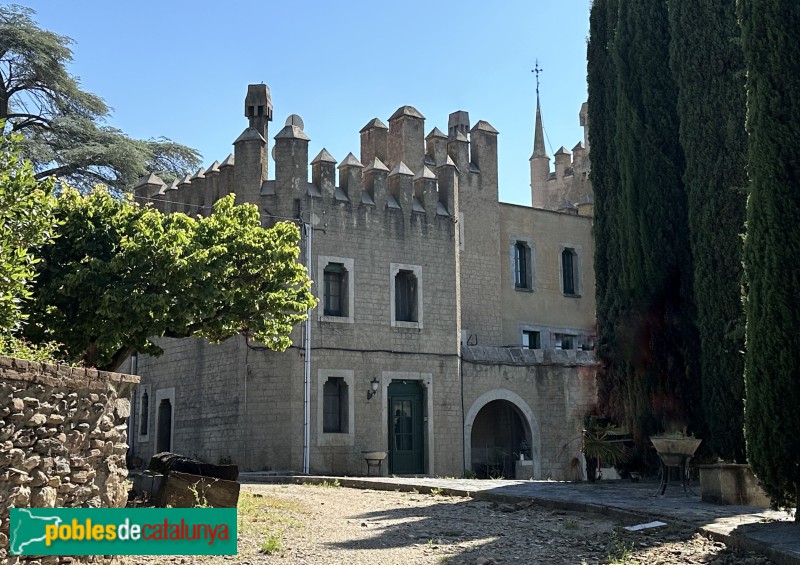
{"x": 453, "y": 331}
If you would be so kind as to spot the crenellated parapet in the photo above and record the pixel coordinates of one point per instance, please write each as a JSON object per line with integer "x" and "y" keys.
{"x": 402, "y": 172}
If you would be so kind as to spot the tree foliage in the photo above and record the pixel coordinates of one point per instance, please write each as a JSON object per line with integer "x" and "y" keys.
{"x": 601, "y": 80}
{"x": 62, "y": 124}
{"x": 120, "y": 274}
{"x": 26, "y": 224}
{"x": 645, "y": 274}
{"x": 772, "y": 244}
{"x": 708, "y": 66}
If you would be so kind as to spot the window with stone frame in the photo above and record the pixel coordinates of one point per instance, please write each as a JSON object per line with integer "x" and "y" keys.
{"x": 531, "y": 339}
{"x": 565, "y": 341}
{"x": 335, "y": 406}
{"x": 143, "y": 404}
{"x": 144, "y": 412}
{"x": 569, "y": 272}
{"x": 521, "y": 265}
{"x": 335, "y": 290}
{"x": 405, "y": 296}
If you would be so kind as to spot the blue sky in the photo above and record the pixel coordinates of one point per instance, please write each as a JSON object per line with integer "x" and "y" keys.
{"x": 181, "y": 68}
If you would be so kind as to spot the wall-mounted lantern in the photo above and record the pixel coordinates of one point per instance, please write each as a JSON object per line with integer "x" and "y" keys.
{"x": 374, "y": 386}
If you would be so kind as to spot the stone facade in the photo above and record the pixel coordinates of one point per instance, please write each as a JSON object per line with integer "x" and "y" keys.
{"x": 424, "y": 279}
{"x": 63, "y": 432}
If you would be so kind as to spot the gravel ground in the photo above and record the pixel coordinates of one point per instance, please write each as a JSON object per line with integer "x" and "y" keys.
{"x": 318, "y": 525}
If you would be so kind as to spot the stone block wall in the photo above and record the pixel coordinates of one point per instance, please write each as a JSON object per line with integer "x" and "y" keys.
{"x": 550, "y": 390}
{"x": 63, "y": 438}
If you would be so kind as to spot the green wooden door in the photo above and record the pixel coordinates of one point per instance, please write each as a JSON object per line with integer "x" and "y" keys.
{"x": 406, "y": 433}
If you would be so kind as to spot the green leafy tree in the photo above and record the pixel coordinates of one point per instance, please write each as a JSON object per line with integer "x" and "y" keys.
{"x": 772, "y": 245}
{"x": 708, "y": 65}
{"x": 26, "y": 224}
{"x": 120, "y": 274}
{"x": 63, "y": 124}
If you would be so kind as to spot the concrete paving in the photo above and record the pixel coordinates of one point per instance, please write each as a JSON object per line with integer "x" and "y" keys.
{"x": 771, "y": 533}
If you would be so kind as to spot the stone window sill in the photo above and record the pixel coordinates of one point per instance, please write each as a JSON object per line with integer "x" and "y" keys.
{"x": 407, "y": 325}
{"x": 336, "y": 319}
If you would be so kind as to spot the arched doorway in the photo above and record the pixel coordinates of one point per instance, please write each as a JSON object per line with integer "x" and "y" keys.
{"x": 164, "y": 437}
{"x": 499, "y": 435}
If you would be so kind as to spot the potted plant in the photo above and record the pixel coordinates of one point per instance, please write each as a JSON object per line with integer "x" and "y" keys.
{"x": 602, "y": 443}
{"x": 675, "y": 449}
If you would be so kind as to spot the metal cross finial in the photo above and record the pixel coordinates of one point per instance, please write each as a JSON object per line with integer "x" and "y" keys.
{"x": 537, "y": 69}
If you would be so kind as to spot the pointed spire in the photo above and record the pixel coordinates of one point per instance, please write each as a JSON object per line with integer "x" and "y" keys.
{"x": 351, "y": 161}
{"x": 538, "y": 135}
{"x": 324, "y": 157}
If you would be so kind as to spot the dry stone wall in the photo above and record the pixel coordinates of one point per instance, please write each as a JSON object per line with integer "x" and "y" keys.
{"x": 63, "y": 438}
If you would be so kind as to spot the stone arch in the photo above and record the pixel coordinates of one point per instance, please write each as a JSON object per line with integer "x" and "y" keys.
{"x": 524, "y": 411}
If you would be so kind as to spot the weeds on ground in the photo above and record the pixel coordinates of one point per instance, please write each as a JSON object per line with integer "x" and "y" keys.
{"x": 436, "y": 491}
{"x": 325, "y": 484}
{"x": 199, "y": 493}
{"x": 620, "y": 550}
{"x": 570, "y": 525}
{"x": 268, "y": 518}
{"x": 272, "y": 544}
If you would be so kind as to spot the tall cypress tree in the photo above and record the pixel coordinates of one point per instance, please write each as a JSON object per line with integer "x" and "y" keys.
{"x": 655, "y": 330}
{"x": 708, "y": 66}
{"x": 601, "y": 81}
{"x": 772, "y": 244}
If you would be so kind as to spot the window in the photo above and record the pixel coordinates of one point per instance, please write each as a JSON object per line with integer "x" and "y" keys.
{"x": 522, "y": 263}
{"x": 405, "y": 296}
{"x": 144, "y": 412}
{"x": 335, "y": 281}
{"x": 565, "y": 341}
{"x": 570, "y": 271}
{"x": 531, "y": 339}
{"x": 142, "y": 425}
{"x": 165, "y": 411}
{"x": 335, "y": 406}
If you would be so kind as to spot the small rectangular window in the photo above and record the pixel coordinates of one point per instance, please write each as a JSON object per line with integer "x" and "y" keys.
{"x": 565, "y": 341}
{"x": 144, "y": 413}
{"x": 334, "y": 408}
{"x": 531, "y": 340}
{"x": 334, "y": 290}
{"x": 568, "y": 266}
{"x": 521, "y": 265}
{"x": 405, "y": 294}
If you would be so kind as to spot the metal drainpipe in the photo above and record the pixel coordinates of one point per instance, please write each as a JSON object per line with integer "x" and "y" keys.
{"x": 307, "y": 365}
